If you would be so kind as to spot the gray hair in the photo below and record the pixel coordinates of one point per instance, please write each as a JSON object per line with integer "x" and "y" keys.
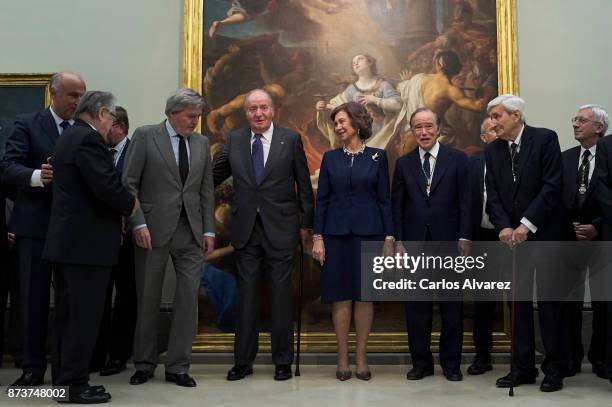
{"x": 183, "y": 98}
{"x": 511, "y": 103}
{"x": 600, "y": 115}
{"x": 56, "y": 79}
{"x": 482, "y": 125}
{"x": 93, "y": 101}
{"x": 248, "y": 95}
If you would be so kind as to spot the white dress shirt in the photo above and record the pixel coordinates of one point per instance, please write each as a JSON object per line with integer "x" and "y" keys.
{"x": 175, "y": 141}
{"x": 266, "y": 141}
{"x": 591, "y": 160}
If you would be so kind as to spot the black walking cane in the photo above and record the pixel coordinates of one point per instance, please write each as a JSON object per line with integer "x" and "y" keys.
{"x": 512, "y": 320}
{"x": 299, "y": 321}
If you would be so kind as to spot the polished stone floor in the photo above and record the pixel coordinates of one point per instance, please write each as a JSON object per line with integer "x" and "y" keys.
{"x": 318, "y": 387}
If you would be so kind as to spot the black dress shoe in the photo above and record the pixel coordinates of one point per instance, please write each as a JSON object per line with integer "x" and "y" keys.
{"x": 417, "y": 373}
{"x": 140, "y": 377}
{"x": 480, "y": 366}
{"x": 238, "y": 372}
{"x": 282, "y": 372}
{"x": 87, "y": 396}
{"x": 112, "y": 367}
{"x": 551, "y": 383}
{"x": 514, "y": 380}
{"x": 600, "y": 370}
{"x": 181, "y": 379}
{"x": 454, "y": 375}
{"x": 28, "y": 379}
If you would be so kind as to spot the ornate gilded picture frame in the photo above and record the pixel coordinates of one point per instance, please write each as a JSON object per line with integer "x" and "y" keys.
{"x": 21, "y": 93}
{"x": 303, "y": 52}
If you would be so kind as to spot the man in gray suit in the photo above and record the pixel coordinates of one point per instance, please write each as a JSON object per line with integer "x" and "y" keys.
{"x": 272, "y": 208}
{"x": 168, "y": 167}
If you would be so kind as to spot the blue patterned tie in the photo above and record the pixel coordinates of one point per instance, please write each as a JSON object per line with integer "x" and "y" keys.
{"x": 257, "y": 158}
{"x": 64, "y": 125}
{"x": 426, "y": 165}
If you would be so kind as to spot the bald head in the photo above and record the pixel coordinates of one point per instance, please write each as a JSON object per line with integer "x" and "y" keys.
{"x": 66, "y": 91}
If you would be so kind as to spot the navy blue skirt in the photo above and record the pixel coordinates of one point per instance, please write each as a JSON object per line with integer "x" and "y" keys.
{"x": 341, "y": 272}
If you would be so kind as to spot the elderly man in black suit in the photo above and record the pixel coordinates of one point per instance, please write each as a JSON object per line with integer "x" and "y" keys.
{"x": 431, "y": 202}
{"x": 83, "y": 240}
{"x": 116, "y": 337}
{"x": 273, "y": 200}
{"x": 27, "y": 159}
{"x": 524, "y": 183}
{"x": 580, "y": 196}
{"x": 603, "y": 168}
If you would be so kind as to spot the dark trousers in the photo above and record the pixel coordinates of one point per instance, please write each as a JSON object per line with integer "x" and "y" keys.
{"x": 116, "y": 337}
{"x": 418, "y": 323}
{"x": 79, "y": 302}
{"x": 35, "y": 283}
{"x": 609, "y": 338}
{"x": 552, "y": 314}
{"x": 254, "y": 261}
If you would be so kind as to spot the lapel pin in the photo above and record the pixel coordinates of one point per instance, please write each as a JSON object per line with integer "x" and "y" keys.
{"x": 375, "y": 157}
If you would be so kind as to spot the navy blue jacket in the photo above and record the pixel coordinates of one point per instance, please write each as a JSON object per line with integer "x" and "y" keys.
{"x": 537, "y": 193}
{"x": 27, "y": 148}
{"x": 354, "y": 199}
{"x": 447, "y": 211}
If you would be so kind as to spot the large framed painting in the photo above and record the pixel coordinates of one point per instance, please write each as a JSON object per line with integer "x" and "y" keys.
{"x": 395, "y": 56}
{"x": 21, "y": 93}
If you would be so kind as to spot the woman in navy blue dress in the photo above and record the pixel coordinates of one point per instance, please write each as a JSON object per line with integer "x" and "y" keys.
{"x": 353, "y": 205}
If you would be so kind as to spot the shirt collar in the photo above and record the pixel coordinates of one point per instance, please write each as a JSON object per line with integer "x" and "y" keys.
{"x": 172, "y": 132}
{"x": 58, "y": 119}
{"x": 266, "y": 135}
{"x": 518, "y": 139}
{"x": 120, "y": 145}
{"x": 433, "y": 151}
{"x": 593, "y": 149}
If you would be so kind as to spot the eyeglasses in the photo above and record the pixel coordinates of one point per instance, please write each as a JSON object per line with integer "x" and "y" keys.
{"x": 582, "y": 120}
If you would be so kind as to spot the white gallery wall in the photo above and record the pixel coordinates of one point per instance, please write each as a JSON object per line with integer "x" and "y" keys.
{"x": 129, "y": 47}
{"x": 565, "y": 58}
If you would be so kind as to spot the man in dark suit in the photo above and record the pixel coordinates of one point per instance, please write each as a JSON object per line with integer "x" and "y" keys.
{"x": 524, "y": 181}
{"x": 273, "y": 200}
{"x": 603, "y": 167}
{"x": 580, "y": 199}
{"x": 483, "y": 231}
{"x": 83, "y": 240}
{"x": 431, "y": 202}
{"x": 27, "y": 157}
{"x": 116, "y": 336}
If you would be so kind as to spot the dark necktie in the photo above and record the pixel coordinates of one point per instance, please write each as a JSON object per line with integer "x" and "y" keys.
{"x": 514, "y": 156}
{"x": 257, "y": 158}
{"x": 583, "y": 179}
{"x": 183, "y": 159}
{"x": 113, "y": 152}
{"x": 64, "y": 125}
{"x": 427, "y": 166}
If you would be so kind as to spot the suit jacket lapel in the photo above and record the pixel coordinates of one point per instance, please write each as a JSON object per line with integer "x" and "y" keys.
{"x": 276, "y": 147}
{"x": 195, "y": 157}
{"x": 439, "y": 168}
{"x": 48, "y": 123}
{"x": 571, "y": 177}
{"x": 417, "y": 170}
{"x": 162, "y": 140}
{"x": 244, "y": 143}
{"x": 524, "y": 152}
{"x": 121, "y": 159}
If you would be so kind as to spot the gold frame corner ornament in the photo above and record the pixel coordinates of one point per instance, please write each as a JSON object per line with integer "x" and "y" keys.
{"x": 507, "y": 62}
